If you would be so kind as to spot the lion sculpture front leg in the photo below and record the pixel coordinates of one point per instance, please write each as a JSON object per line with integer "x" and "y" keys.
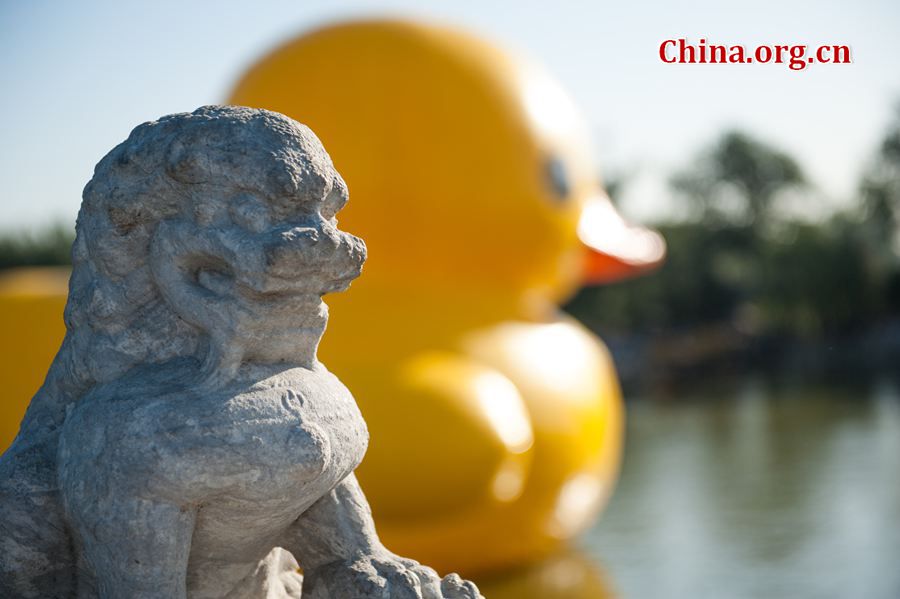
{"x": 187, "y": 442}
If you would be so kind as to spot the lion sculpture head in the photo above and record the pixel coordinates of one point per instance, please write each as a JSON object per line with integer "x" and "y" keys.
{"x": 209, "y": 235}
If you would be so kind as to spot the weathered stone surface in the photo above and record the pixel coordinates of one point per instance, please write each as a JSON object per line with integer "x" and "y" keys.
{"x": 186, "y": 441}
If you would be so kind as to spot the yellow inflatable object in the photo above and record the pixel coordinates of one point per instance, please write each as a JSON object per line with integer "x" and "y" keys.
{"x": 496, "y": 423}
{"x": 31, "y": 318}
{"x": 570, "y": 575}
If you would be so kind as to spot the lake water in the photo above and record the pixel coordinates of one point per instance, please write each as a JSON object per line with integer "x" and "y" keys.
{"x": 753, "y": 491}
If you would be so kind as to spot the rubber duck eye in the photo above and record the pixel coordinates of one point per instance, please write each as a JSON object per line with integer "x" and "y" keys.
{"x": 558, "y": 179}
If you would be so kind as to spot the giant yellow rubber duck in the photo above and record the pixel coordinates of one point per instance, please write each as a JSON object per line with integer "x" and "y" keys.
{"x": 567, "y": 575}
{"x": 32, "y": 301}
{"x": 496, "y": 422}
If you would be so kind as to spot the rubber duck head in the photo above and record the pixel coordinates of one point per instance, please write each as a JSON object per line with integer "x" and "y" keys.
{"x": 469, "y": 166}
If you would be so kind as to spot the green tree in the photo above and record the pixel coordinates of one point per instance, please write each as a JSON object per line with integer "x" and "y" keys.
{"x": 739, "y": 262}
{"x": 880, "y": 192}
{"x": 48, "y": 247}
{"x": 737, "y": 180}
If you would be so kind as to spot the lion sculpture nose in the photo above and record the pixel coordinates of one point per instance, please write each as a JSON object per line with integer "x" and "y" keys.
{"x": 298, "y": 250}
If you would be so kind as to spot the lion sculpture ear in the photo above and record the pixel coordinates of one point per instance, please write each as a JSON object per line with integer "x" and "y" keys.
{"x": 184, "y": 162}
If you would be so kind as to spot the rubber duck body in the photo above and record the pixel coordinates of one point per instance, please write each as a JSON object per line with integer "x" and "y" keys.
{"x": 495, "y": 421}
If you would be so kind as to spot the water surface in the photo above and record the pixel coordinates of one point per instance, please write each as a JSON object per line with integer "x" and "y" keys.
{"x": 755, "y": 491}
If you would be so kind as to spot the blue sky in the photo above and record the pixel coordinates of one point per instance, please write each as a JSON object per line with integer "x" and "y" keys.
{"x": 78, "y": 76}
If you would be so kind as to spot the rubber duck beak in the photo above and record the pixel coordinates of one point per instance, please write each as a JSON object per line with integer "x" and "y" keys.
{"x": 616, "y": 250}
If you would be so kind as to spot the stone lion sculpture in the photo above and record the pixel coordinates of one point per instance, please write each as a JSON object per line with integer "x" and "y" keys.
{"x": 186, "y": 441}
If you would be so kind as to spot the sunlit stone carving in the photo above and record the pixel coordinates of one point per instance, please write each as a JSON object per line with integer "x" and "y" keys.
{"x": 186, "y": 441}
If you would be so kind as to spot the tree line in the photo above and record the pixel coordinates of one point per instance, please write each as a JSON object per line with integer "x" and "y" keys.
{"x": 743, "y": 261}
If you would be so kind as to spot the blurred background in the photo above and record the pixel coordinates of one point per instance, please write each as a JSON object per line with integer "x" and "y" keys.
{"x": 760, "y": 363}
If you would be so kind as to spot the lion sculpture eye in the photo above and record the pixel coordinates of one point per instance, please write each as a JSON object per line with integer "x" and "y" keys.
{"x": 335, "y": 200}
{"x": 250, "y": 213}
